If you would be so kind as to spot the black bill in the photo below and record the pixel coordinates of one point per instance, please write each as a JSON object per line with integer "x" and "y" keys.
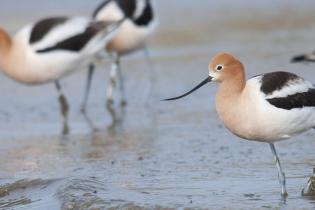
{"x": 209, "y": 79}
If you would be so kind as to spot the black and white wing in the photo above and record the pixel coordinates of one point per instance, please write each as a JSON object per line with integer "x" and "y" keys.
{"x": 67, "y": 34}
{"x": 140, "y": 12}
{"x": 287, "y": 91}
{"x": 116, "y": 9}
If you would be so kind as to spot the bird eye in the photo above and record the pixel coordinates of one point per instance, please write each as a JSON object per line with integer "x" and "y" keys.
{"x": 219, "y": 67}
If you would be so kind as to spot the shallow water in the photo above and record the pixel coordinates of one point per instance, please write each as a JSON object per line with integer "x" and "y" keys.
{"x": 174, "y": 155}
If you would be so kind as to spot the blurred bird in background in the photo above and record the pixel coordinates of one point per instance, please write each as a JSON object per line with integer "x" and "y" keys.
{"x": 139, "y": 21}
{"x": 52, "y": 48}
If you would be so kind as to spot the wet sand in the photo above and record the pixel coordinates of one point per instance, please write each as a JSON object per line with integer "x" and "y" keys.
{"x": 174, "y": 155}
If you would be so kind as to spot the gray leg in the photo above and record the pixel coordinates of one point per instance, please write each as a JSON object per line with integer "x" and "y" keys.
{"x": 116, "y": 77}
{"x": 112, "y": 83}
{"x": 110, "y": 93}
{"x": 88, "y": 88}
{"x": 86, "y": 97}
{"x": 115, "y": 74}
{"x": 121, "y": 83}
{"x": 281, "y": 174}
{"x": 64, "y": 108}
{"x": 111, "y": 88}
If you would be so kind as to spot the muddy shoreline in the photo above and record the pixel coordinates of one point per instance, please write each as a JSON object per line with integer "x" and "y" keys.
{"x": 163, "y": 155}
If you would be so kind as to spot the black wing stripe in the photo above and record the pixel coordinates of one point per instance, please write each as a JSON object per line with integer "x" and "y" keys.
{"x": 77, "y": 42}
{"x": 43, "y": 27}
{"x": 146, "y": 17}
{"x": 274, "y": 81}
{"x": 299, "y": 58}
{"x": 298, "y": 100}
{"x": 127, "y": 6}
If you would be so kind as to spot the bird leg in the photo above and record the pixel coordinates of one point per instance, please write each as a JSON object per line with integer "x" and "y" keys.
{"x": 116, "y": 71}
{"x": 281, "y": 175}
{"x": 112, "y": 85}
{"x": 86, "y": 96}
{"x": 87, "y": 88}
{"x": 123, "y": 101}
{"x": 64, "y": 108}
{"x": 110, "y": 91}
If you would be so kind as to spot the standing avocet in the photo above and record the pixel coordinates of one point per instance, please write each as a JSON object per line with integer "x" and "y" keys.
{"x": 267, "y": 108}
{"x": 52, "y": 48}
{"x": 139, "y": 22}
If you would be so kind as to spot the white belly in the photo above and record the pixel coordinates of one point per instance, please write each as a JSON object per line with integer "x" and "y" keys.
{"x": 31, "y": 68}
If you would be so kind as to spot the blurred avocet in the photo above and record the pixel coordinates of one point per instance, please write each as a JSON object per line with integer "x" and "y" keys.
{"x": 52, "y": 48}
{"x": 266, "y": 108}
{"x": 139, "y": 22}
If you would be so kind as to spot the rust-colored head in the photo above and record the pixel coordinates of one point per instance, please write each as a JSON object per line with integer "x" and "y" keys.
{"x": 225, "y": 67}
